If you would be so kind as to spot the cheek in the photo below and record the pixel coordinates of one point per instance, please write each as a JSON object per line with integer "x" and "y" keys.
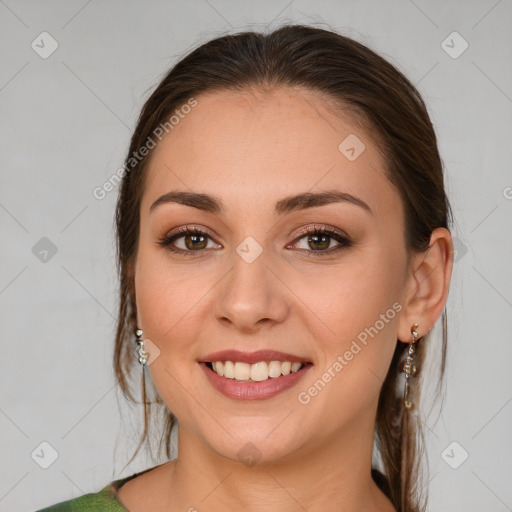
{"x": 170, "y": 313}
{"x": 171, "y": 302}
{"x": 164, "y": 304}
{"x": 358, "y": 308}
{"x": 351, "y": 296}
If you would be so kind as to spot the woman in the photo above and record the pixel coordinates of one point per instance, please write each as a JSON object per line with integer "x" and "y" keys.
{"x": 284, "y": 250}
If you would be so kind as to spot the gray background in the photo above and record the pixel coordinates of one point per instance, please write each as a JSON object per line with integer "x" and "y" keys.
{"x": 65, "y": 126}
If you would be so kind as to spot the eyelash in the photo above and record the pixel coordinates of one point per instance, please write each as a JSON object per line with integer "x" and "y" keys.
{"x": 344, "y": 241}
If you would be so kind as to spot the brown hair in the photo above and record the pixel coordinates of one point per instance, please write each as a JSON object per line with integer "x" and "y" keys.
{"x": 375, "y": 94}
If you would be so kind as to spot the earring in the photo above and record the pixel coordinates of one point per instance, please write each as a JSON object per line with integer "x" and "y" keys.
{"x": 143, "y": 355}
{"x": 409, "y": 367}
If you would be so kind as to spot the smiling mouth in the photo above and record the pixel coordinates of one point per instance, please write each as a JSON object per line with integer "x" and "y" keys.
{"x": 258, "y": 372}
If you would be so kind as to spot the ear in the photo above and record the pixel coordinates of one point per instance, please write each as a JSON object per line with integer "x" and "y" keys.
{"x": 427, "y": 286}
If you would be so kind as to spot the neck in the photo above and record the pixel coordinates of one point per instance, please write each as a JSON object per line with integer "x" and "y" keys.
{"x": 333, "y": 475}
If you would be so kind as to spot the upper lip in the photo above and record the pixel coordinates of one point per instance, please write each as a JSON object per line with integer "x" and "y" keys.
{"x": 252, "y": 357}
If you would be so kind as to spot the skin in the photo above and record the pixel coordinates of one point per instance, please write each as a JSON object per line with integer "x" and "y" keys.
{"x": 252, "y": 149}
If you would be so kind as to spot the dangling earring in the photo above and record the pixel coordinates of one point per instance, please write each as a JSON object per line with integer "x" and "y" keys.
{"x": 143, "y": 355}
{"x": 409, "y": 367}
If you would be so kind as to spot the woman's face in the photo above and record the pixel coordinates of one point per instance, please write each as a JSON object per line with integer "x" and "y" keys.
{"x": 256, "y": 281}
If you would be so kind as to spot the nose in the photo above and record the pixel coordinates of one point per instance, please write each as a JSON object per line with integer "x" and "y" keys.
{"x": 251, "y": 296}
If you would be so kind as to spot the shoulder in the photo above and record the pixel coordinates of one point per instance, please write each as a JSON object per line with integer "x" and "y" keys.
{"x": 146, "y": 490}
{"x": 103, "y": 501}
{"x": 107, "y": 500}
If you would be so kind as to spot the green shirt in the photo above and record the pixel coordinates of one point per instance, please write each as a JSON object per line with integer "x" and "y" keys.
{"x": 104, "y": 501}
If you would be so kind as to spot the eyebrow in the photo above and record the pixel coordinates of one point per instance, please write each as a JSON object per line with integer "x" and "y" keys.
{"x": 213, "y": 204}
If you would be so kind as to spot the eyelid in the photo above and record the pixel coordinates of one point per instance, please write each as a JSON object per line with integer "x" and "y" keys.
{"x": 344, "y": 240}
{"x": 189, "y": 227}
{"x": 301, "y": 231}
{"x": 319, "y": 227}
{"x": 170, "y": 237}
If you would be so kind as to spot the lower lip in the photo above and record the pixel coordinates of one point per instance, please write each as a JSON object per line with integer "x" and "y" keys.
{"x": 243, "y": 390}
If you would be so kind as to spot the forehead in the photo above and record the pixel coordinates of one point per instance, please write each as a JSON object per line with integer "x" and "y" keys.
{"x": 253, "y": 146}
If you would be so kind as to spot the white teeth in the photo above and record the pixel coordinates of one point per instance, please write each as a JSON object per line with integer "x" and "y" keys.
{"x": 259, "y": 371}
{"x": 229, "y": 369}
{"x": 242, "y": 371}
{"x": 254, "y": 372}
{"x": 218, "y": 368}
{"x": 274, "y": 369}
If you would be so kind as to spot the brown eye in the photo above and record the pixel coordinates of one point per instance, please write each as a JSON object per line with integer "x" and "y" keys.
{"x": 318, "y": 241}
{"x": 194, "y": 241}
